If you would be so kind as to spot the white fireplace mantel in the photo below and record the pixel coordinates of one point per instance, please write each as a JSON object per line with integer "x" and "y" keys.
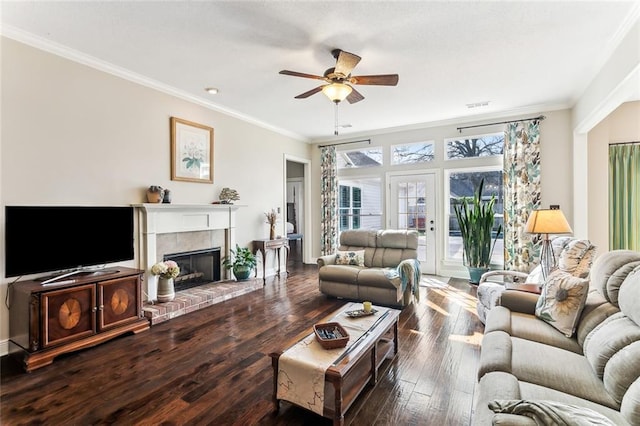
{"x": 154, "y": 219}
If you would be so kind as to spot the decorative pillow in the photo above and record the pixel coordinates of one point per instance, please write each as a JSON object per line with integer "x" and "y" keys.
{"x": 350, "y": 258}
{"x": 562, "y": 300}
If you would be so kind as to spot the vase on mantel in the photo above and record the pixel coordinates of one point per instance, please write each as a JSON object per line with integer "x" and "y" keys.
{"x": 155, "y": 194}
{"x": 166, "y": 291}
{"x": 272, "y": 232}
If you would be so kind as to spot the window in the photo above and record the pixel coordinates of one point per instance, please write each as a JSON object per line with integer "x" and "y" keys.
{"x": 367, "y": 157}
{"x": 360, "y": 204}
{"x": 463, "y": 183}
{"x": 475, "y": 146}
{"x": 419, "y": 152}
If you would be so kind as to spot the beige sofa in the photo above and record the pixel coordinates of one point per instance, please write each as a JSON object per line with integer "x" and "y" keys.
{"x": 525, "y": 362}
{"x": 373, "y": 280}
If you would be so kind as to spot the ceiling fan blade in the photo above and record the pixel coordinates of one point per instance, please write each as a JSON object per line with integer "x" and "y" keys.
{"x": 309, "y": 93}
{"x": 354, "y": 96}
{"x": 378, "y": 80}
{"x": 301, "y": 74}
{"x": 346, "y": 62}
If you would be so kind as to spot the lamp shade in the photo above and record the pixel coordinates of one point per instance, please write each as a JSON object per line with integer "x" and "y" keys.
{"x": 337, "y": 92}
{"x": 547, "y": 222}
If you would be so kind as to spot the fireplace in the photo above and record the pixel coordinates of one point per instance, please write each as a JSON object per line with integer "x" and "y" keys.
{"x": 197, "y": 267}
{"x": 171, "y": 228}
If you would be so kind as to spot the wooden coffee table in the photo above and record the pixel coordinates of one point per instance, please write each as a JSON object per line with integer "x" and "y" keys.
{"x": 356, "y": 368}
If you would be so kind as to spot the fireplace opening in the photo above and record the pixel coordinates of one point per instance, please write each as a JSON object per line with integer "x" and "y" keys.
{"x": 196, "y": 267}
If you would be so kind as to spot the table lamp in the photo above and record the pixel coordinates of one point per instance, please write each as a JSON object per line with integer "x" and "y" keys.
{"x": 547, "y": 221}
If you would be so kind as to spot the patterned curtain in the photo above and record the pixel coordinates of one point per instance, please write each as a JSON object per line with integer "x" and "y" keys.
{"x": 329, "y": 200}
{"x": 521, "y": 193}
{"x": 624, "y": 196}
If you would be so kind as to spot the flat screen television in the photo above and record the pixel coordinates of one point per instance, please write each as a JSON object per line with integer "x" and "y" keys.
{"x": 57, "y": 238}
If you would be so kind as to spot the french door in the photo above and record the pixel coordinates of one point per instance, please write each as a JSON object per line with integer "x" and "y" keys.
{"x": 411, "y": 204}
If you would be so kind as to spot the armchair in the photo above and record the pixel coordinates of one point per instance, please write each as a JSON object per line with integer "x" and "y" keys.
{"x": 574, "y": 256}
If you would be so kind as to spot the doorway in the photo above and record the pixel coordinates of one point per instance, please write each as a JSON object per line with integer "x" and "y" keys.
{"x": 296, "y": 208}
{"x": 412, "y": 205}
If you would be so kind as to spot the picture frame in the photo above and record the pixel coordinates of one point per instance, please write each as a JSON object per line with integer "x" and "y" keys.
{"x": 191, "y": 151}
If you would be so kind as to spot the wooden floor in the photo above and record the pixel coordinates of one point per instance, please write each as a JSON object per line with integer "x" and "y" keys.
{"x": 212, "y": 366}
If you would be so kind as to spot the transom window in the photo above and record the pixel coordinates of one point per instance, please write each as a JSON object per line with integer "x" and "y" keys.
{"x": 419, "y": 152}
{"x": 475, "y": 146}
{"x": 356, "y": 158}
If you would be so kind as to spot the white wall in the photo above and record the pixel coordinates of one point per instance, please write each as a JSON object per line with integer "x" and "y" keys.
{"x": 72, "y": 134}
{"x": 617, "y": 82}
{"x": 556, "y": 158}
{"x": 622, "y": 125}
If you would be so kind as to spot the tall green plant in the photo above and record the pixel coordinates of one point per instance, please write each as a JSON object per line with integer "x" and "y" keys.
{"x": 476, "y": 220}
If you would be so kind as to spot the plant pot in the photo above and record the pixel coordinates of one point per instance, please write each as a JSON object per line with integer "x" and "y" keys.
{"x": 475, "y": 274}
{"x": 272, "y": 232}
{"x": 241, "y": 272}
{"x": 166, "y": 291}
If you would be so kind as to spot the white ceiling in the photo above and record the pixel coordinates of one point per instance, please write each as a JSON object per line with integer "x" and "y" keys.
{"x": 517, "y": 55}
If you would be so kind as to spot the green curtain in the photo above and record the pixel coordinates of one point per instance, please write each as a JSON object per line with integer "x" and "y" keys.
{"x": 624, "y": 196}
{"x": 521, "y": 174}
{"x": 329, "y": 200}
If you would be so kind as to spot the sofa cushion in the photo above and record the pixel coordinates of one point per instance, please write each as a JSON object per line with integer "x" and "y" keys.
{"x": 341, "y": 273}
{"x": 547, "y": 412}
{"x": 530, "y": 328}
{"x": 630, "y": 295}
{"x": 355, "y": 258}
{"x": 392, "y": 238}
{"x": 558, "y": 369}
{"x": 630, "y": 407}
{"x": 358, "y": 238}
{"x": 562, "y": 300}
{"x": 606, "y": 339}
{"x": 610, "y": 270}
{"x": 596, "y": 309}
{"x": 533, "y": 391}
{"x": 622, "y": 370}
{"x": 374, "y": 277}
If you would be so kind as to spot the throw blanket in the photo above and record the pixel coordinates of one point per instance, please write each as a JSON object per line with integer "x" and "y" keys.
{"x": 407, "y": 273}
{"x": 301, "y": 368}
{"x": 550, "y": 412}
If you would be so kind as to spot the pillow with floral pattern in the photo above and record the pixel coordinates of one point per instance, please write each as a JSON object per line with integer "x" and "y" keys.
{"x": 562, "y": 301}
{"x": 355, "y": 258}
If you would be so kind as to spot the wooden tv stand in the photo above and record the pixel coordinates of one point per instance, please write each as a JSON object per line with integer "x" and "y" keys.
{"x": 87, "y": 309}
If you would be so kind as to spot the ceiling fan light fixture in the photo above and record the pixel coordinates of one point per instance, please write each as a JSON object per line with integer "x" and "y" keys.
{"x": 337, "y": 92}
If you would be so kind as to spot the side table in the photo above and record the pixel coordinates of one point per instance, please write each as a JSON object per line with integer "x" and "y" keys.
{"x": 276, "y": 244}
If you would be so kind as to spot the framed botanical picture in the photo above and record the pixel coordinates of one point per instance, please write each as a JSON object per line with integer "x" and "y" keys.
{"x": 191, "y": 151}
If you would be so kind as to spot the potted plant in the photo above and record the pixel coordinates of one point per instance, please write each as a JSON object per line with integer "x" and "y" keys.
{"x": 241, "y": 262}
{"x": 476, "y": 219}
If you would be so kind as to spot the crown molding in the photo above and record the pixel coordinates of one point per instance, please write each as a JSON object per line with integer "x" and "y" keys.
{"x": 107, "y": 67}
{"x": 456, "y": 121}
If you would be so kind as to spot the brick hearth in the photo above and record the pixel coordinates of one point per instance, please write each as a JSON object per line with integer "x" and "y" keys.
{"x": 195, "y": 298}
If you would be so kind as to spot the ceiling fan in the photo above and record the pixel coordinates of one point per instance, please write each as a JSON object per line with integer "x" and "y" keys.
{"x": 339, "y": 79}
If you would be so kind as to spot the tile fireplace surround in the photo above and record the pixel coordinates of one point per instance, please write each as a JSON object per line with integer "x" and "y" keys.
{"x": 207, "y": 224}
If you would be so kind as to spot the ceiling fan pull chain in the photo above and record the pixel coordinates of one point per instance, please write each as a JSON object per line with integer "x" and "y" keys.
{"x": 335, "y": 132}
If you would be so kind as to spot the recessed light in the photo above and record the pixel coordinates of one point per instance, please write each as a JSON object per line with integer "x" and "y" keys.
{"x": 478, "y": 104}
{"x": 211, "y": 90}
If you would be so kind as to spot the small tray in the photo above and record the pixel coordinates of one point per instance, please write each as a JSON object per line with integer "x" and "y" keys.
{"x": 331, "y": 335}
{"x": 360, "y": 313}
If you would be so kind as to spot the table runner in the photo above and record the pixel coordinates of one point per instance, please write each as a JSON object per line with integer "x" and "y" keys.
{"x": 301, "y": 368}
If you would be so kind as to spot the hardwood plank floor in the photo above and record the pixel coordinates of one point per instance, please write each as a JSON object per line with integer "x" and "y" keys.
{"x": 212, "y": 366}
